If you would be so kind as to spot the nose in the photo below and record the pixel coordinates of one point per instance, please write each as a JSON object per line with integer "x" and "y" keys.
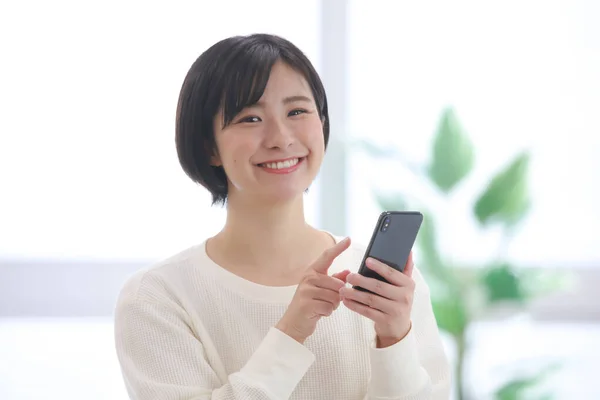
{"x": 279, "y": 136}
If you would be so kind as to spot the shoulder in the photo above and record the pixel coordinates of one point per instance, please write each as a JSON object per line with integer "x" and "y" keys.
{"x": 162, "y": 279}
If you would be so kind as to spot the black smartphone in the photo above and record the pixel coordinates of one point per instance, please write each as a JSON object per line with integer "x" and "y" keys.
{"x": 392, "y": 240}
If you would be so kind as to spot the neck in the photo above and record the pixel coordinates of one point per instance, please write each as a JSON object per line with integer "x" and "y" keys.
{"x": 267, "y": 236}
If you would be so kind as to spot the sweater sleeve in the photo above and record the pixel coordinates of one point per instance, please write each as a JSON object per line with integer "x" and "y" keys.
{"x": 162, "y": 358}
{"x": 416, "y": 368}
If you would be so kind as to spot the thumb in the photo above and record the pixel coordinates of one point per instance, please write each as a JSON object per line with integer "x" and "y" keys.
{"x": 323, "y": 263}
{"x": 410, "y": 265}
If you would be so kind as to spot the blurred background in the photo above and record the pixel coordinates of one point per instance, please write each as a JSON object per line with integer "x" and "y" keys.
{"x": 482, "y": 115}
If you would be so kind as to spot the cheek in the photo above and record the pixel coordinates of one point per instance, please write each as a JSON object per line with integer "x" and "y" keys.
{"x": 314, "y": 135}
{"x": 235, "y": 152}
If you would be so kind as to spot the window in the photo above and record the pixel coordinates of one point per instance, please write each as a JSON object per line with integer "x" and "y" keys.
{"x": 518, "y": 75}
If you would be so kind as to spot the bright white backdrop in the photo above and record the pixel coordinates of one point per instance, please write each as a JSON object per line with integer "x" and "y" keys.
{"x": 87, "y": 162}
{"x": 87, "y": 159}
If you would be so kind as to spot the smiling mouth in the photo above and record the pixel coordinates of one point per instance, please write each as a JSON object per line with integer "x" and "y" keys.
{"x": 282, "y": 165}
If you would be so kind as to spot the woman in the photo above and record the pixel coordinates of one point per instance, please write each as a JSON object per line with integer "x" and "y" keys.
{"x": 265, "y": 309}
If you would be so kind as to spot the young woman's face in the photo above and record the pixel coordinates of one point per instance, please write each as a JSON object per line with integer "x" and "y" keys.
{"x": 274, "y": 149}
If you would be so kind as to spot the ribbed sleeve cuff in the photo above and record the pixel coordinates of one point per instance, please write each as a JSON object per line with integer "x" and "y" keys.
{"x": 396, "y": 370}
{"x": 278, "y": 364}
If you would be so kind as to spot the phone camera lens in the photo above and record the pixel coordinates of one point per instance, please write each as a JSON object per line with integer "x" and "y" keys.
{"x": 386, "y": 223}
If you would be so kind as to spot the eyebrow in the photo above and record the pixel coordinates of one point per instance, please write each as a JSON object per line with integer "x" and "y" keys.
{"x": 290, "y": 99}
{"x": 293, "y": 99}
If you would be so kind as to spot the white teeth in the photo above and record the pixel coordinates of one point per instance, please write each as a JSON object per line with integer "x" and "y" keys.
{"x": 281, "y": 164}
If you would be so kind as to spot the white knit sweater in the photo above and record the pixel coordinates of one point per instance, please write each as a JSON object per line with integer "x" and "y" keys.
{"x": 188, "y": 329}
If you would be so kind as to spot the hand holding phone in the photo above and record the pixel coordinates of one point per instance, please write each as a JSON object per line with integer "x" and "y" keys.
{"x": 383, "y": 289}
{"x": 391, "y": 242}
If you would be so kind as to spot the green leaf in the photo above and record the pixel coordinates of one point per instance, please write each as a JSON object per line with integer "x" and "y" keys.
{"x": 451, "y": 315}
{"x": 517, "y": 389}
{"x": 507, "y": 283}
{"x": 502, "y": 284}
{"x": 442, "y": 280}
{"x": 453, "y": 155}
{"x": 541, "y": 282}
{"x": 514, "y": 390}
{"x": 506, "y": 198}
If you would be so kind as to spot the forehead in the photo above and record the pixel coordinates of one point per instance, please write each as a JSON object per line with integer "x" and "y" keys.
{"x": 285, "y": 81}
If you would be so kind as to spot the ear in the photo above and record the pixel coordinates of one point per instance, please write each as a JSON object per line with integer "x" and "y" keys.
{"x": 215, "y": 161}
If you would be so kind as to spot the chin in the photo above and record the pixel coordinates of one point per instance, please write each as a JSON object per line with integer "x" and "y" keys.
{"x": 281, "y": 188}
{"x": 282, "y": 195}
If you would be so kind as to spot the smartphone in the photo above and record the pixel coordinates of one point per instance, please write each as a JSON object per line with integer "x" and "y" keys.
{"x": 392, "y": 241}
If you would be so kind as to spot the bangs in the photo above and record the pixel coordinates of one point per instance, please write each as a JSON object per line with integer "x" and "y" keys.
{"x": 245, "y": 86}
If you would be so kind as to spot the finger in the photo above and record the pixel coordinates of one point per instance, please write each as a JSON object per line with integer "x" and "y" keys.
{"x": 324, "y": 308}
{"x": 390, "y": 274}
{"x": 342, "y": 276}
{"x": 371, "y": 313}
{"x": 381, "y": 288}
{"x": 372, "y": 300}
{"x": 408, "y": 269}
{"x": 323, "y": 263}
{"x": 328, "y": 282}
{"x": 327, "y": 295}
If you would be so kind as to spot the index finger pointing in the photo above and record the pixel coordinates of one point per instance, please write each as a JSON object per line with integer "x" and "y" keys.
{"x": 323, "y": 263}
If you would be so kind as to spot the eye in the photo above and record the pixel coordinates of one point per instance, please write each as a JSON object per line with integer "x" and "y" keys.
{"x": 249, "y": 119}
{"x": 297, "y": 111}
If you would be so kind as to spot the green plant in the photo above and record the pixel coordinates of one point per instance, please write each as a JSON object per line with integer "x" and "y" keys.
{"x": 460, "y": 295}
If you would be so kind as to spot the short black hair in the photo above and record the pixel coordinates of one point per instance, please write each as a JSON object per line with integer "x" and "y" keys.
{"x": 230, "y": 76}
